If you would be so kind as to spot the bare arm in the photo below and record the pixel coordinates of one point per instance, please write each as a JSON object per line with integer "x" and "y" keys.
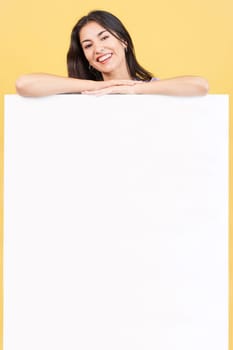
{"x": 48, "y": 84}
{"x": 179, "y": 86}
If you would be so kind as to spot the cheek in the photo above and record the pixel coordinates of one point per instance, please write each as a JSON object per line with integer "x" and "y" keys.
{"x": 121, "y": 50}
{"x": 87, "y": 55}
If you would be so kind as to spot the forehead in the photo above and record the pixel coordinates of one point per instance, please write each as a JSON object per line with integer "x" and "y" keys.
{"x": 90, "y": 31}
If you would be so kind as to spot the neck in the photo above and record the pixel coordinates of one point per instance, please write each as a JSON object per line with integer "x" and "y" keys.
{"x": 120, "y": 75}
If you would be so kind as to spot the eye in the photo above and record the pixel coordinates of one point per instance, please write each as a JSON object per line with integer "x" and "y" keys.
{"x": 104, "y": 37}
{"x": 87, "y": 46}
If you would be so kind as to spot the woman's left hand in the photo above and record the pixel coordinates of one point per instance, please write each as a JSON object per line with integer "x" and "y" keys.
{"x": 115, "y": 89}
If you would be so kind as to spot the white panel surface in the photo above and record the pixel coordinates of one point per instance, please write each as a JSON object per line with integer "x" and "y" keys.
{"x": 116, "y": 223}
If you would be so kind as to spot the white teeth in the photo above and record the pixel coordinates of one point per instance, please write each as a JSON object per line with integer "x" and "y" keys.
{"x": 103, "y": 58}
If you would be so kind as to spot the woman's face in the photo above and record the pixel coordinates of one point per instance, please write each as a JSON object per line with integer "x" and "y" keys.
{"x": 104, "y": 51}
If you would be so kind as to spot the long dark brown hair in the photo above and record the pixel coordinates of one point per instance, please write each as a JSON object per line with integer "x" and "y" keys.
{"x": 77, "y": 64}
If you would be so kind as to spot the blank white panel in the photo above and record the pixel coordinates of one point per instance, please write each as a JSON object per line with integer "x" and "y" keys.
{"x": 116, "y": 223}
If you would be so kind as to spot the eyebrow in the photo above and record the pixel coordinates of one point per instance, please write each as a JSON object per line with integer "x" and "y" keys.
{"x": 99, "y": 34}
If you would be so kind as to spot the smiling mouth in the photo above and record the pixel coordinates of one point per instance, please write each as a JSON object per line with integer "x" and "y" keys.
{"x": 104, "y": 58}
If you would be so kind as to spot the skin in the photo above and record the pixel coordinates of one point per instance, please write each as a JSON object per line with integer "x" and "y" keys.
{"x": 106, "y": 53}
{"x": 98, "y": 44}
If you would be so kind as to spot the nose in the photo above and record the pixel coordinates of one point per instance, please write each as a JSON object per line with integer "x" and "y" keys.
{"x": 99, "y": 49}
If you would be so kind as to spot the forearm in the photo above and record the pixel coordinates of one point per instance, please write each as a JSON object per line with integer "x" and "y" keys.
{"x": 48, "y": 84}
{"x": 180, "y": 86}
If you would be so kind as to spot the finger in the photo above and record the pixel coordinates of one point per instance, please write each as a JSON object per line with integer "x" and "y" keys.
{"x": 97, "y": 92}
{"x": 91, "y": 92}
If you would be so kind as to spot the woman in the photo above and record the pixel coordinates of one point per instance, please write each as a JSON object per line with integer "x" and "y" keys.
{"x": 101, "y": 60}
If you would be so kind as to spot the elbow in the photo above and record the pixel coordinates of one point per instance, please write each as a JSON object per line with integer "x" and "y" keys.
{"x": 22, "y": 86}
{"x": 202, "y": 86}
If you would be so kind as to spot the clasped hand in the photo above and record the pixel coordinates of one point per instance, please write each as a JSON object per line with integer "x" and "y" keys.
{"x": 114, "y": 87}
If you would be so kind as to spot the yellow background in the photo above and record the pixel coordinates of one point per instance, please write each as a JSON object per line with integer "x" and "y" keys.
{"x": 171, "y": 38}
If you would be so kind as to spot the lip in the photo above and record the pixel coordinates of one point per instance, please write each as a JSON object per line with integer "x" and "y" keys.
{"x": 102, "y": 59}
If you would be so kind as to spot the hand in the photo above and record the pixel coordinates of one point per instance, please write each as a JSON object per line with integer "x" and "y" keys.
{"x": 114, "y": 87}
